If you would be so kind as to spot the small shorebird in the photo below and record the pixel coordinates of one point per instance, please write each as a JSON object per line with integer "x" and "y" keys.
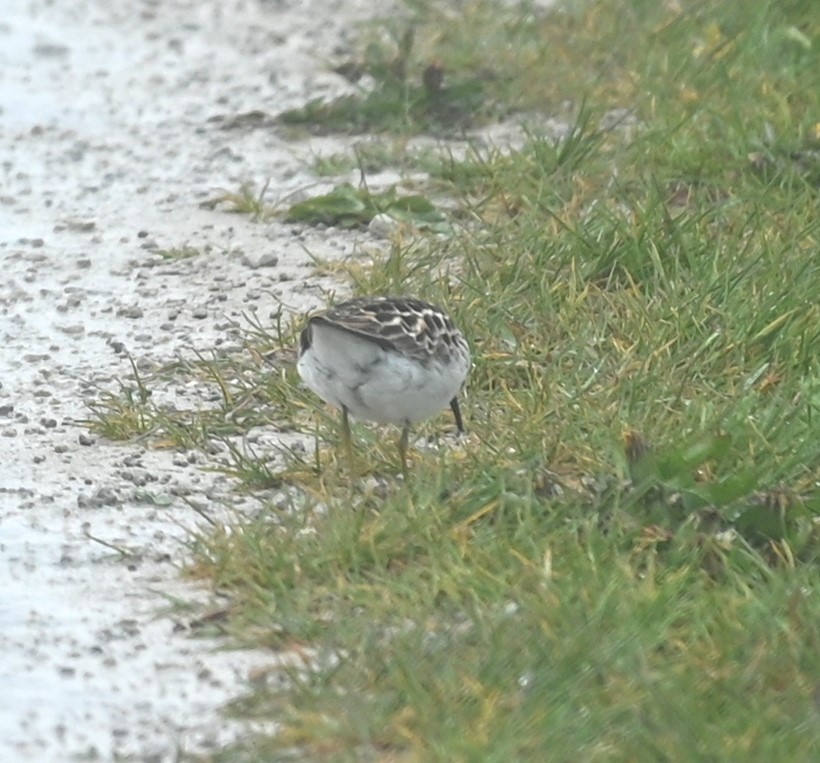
{"x": 391, "y": 360}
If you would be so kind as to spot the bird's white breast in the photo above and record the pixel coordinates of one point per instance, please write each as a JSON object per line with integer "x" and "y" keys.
{"x": 375, "y": 383}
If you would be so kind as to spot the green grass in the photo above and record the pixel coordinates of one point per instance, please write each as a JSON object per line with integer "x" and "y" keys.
{"x": 237, "y": 393}
{"x": 620, "y": 562}
{"x": 245, "y": 201}
{"x": 407, "y": 93}
{"x": 377, "y": 154}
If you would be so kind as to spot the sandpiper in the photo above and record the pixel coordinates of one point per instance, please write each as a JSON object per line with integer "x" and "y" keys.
{"x": 391, "y": 360}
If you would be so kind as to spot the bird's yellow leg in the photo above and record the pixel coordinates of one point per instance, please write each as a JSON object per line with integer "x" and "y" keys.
{"x": 403, "y": 440}
{"x": 347, "y": 440}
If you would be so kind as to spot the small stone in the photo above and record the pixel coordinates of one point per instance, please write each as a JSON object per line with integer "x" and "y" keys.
{"x": 134, "y": 311}
{"x": 260, "y": 260}
{"x": 73, "y": 330}
{"x": 80, "y": 226}
{"x": 105, "y": 496}
{"x": 50, "y": 50}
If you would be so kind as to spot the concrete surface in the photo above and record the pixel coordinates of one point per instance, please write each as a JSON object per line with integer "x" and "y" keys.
{"x": 107, "y": 149}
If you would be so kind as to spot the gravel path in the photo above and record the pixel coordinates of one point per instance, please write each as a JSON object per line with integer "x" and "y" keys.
{"x": 107, "y": 149}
